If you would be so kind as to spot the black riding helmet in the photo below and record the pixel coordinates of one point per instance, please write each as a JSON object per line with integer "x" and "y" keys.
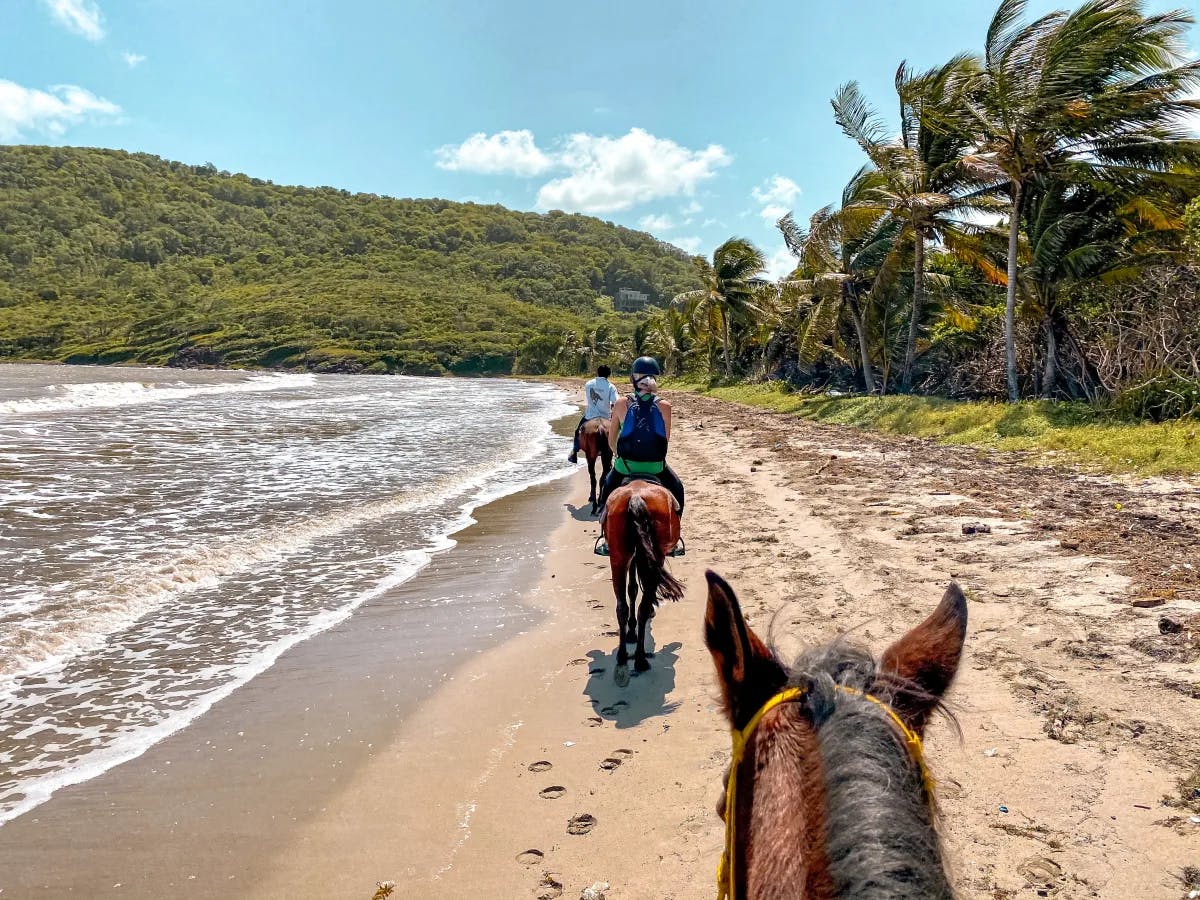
{"x": 646, "y": 365}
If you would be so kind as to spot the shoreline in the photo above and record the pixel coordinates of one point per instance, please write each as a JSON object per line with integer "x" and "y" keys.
{"x": 315, "y": 687}
{"x": 821, "y": 532}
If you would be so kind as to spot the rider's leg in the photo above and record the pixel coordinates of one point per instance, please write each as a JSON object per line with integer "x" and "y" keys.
{"x": 672, "y": 483}
{"x": 574, "y": 454}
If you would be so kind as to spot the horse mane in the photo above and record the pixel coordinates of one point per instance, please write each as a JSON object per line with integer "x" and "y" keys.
{"x": 881, "y": 835}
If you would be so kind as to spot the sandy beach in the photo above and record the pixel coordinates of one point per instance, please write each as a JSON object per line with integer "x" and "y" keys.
{"x": 1077, "y": 715}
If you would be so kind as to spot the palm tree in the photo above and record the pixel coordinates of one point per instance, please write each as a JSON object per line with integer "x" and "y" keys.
{"x": 921, "y": 181}
{"x": 1095, "y": 94}
{"x": 670, "y": 335}
{"x": 847, "y": 257}
{"x": 727, "y": 285}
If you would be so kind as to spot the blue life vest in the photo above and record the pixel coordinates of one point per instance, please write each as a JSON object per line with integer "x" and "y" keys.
{"x": 643, "y": 435}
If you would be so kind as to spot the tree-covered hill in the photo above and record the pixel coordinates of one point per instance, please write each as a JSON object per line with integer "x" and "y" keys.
{"x": 107, "y": 256}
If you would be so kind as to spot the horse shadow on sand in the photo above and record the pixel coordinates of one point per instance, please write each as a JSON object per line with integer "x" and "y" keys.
{"x": 581, "y": 513}
{"x": 646, "y": 694}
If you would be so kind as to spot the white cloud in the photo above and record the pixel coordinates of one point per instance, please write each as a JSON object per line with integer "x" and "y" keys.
{"x": 780, "y": 263}
{"x": 690, "y": 245}
{"x": 133, "y": 60}
{"x": 656, "y": 223}
{"x": 79, "y": 16}
{"x": 778, "y": 193}
{"x": 608, "y": 174}
{"x": 29, "y": 110}
{"x": 506, "y": 152}
{"x": 692, "y": 208}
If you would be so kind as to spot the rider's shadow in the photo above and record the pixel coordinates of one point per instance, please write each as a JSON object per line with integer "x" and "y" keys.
{"x": 646, "y": 695}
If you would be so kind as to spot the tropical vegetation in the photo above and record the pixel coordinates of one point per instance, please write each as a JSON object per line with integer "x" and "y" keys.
{"x": 1029, "y": 227}
{"x": 112, "y": 257}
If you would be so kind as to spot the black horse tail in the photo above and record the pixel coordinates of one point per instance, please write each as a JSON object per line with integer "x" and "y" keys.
{"x": 648, "y": 557}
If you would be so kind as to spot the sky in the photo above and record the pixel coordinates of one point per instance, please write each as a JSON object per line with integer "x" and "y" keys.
{"x": 695, "y": 121}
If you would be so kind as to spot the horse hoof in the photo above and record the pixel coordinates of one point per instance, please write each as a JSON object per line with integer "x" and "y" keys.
{"x": 621, "y": 675}
{"x": 641, "y": 664}
{"x": 631, "y": 639}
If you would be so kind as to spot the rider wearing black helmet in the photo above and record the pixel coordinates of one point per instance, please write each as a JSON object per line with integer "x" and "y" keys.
{"x": 639, "y": 434}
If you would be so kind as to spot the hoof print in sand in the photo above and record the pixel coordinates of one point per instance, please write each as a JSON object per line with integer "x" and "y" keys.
{"x": 530, "y": 857}
{"x": 609, "y": 764}
{"x": 542, "y": 765}
{"x": 1044, "y": 875}
{"x": 549, "y": 887}
{"x": 578, "y": 662}
{"x": 623, "y": 753}
{"x": 553, "y": 792}
{"x": 594, "y": 721}
{"x": 581, "y": 824}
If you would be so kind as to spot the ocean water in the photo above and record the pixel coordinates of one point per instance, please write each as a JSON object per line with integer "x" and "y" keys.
{"x": 166, "y": 535}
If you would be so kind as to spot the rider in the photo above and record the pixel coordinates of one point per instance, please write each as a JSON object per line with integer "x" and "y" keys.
{"x": 639, "y": 435}
{"x": 601, "y": 395}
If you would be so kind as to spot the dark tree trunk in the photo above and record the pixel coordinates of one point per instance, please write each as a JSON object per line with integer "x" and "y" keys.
{"x": 860, "y": 328}
{"x": 918, "y": 304}
{"x": 1050, "y": 376}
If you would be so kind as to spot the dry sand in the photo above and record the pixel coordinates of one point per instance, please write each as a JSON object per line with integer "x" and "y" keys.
{"x": 1078, "y": 716}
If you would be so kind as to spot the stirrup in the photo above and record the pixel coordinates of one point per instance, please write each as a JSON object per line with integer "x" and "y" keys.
{"x": 600, "y": 548}
{"x": 679, "y": 549}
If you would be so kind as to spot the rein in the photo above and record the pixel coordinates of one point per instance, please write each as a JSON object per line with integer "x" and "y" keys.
{"x": 727, "y": 885}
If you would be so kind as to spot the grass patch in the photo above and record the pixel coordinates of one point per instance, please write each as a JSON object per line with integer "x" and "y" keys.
{"x": 1076, "y": 431}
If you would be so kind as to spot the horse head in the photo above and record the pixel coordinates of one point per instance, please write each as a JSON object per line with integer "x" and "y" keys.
{"x": 828, "y": 794}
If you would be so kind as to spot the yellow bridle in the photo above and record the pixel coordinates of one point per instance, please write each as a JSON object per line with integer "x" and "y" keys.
{"x": 726, "y": 874}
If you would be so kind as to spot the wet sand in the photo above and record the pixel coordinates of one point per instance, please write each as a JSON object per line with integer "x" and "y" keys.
{"x": 1077, "y": 713}
{"x": 202, "y": 813}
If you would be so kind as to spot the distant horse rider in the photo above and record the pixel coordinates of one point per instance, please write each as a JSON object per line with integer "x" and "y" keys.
{"x": 601, "y": 394}
{"x": 639, "y": 435}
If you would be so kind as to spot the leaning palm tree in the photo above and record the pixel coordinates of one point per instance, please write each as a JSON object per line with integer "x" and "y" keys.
{"x": 922, "y": 182}
{"x": 846, "y": 259}
{"x": 728, "y": 289}
{"x": 670, "y": 335}
{"x": 1099, "y": 93}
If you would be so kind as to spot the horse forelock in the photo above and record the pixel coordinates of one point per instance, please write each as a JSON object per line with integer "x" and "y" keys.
{"x": 880, "y": 835}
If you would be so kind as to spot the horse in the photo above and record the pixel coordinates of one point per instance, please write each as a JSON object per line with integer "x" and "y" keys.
{"x": 593, "y": 441}
{"x": 827, "y": 793}
{"x": 641, "y": 527}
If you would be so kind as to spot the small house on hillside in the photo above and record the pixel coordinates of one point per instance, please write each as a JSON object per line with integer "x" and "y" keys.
{"x": 628, "y": 300}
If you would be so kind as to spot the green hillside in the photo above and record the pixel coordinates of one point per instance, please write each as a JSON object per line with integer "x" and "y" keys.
{"x": 111, "y": 257}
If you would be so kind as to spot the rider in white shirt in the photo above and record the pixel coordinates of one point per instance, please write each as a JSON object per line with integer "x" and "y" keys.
{"x": 601, "y": 395}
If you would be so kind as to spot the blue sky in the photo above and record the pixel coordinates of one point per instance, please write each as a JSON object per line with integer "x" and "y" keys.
{"x": 692, "y": 120}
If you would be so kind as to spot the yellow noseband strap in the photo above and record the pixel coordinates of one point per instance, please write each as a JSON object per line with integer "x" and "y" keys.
{"x": 726, "y": 874}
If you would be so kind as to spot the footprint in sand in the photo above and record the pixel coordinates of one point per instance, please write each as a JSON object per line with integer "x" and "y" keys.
{"x": 530, "y": 857}
{"x": 581, "y": 824}
{"x": 542, "y": 765}
{"x": 553, "y": 792}
{"x": 549, "y": 887}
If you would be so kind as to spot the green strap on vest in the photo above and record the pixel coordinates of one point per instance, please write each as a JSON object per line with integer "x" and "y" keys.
{"x": 631, "y": 467}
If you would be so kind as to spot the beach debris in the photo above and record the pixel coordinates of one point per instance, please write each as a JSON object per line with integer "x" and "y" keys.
{"x": 976, "y": 528}
{"x": 1169, "y": 624}
{"x": 595, "y": 892}
{"x": 550, "y": 887}
{"x": 991, "y": 752}
{"x": 383, "y": 889}
{"x": 756, "y": 462}
{"x": 1147, "y": 602}
{"x": 1068, "y": 544}
{"x": 581, "y": 824}
{"x": 530, "y": 857}
{"x": 1003, "y": 808}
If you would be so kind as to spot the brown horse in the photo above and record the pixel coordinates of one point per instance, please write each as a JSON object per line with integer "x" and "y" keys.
{"x": 641, "y": 527}
{"x": 827, "y": 793}
{"x": 593, "y": 441}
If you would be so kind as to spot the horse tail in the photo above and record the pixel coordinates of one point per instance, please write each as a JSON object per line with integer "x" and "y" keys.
{"x": 646, "y": 552}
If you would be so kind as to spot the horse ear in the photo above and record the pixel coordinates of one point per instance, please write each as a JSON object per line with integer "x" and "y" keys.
{"x": 924, "y": 661}
{"x": 748, "y": 672}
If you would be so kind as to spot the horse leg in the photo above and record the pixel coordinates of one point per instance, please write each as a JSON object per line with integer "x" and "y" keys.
{"x": 620, "y": 564}
{"x": 645, "y": 613}
{"x": 591, "y": 460}
{"x": 630, "y": 634}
